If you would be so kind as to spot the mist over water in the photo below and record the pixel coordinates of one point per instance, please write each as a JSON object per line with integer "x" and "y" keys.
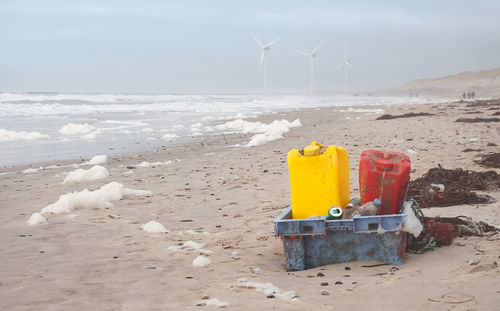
{"x": 31, "y": 124}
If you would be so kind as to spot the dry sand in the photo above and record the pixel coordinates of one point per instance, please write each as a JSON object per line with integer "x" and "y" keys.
{"x": 99, "y": 261}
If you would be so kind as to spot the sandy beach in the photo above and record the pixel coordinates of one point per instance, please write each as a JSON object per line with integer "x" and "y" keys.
{"x": 224, "y": 199}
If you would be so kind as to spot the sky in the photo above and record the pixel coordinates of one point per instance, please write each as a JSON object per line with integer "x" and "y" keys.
{"x": 205, "y": 46}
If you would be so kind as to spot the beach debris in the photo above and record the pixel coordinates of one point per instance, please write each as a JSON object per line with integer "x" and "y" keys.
{"x": 154, "y": 227}
{"x": 267, "y": 288}
{"x": 465, "y": 226}
{"x": 453, "y": 298}
{"x": 96, "y": 172}
{"x": 458, "y": 185}
{"x": 338, "y": 283}
{"x": 490, "y": 160}
{"x": 320, "y": 274}
{"x": 324, "y": 284}
{"x": 411, "y": 151}
{"x": 100, "y": 198}
{"x": 201, "y": 261}
{"x": 36, "y": 219}
{"x": 325, "y": 293}
{"x": 411, "y": 223}
{"x": 478, "y": 120}
{"x": 212, "y": 302}
{"x": 406, "y": 115}
{"x": 98, "y": 159}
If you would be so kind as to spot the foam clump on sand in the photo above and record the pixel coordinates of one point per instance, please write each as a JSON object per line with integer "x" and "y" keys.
{"x": 157, "y": 163}
{"x": 154, "y": 227}
{"x": 32, "y": 170}
{"x": 73, "y": 129}
{"x": 169, "y": 136}
{"x": 192, "y": 245}
{"x": 36, "y": 219}
{"x": 201, "y": 261}
{"x": 213, "y": 302}
{"x": 98, "y": 159}
{"x": 267, "y": 288}
{"x": 92, "y": 135}
{"x": 265, "y": 132}
{"x": 96, "y": 172}
{"x": 6, "y": 135}
{"x": 100, "y": 198}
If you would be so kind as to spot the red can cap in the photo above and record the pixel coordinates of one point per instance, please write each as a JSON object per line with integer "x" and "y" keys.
{"x": 384, "y": 165}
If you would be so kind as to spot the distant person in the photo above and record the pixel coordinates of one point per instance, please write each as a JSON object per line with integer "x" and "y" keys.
{"x": 468, "y": 95}
{"x": 473, "y": 94}
{"x": 464, "y": 96}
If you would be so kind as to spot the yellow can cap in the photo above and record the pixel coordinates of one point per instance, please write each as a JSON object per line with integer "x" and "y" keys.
{"x": 311, "y": 150}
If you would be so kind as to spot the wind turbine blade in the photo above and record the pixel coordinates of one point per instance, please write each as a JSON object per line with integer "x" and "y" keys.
{"x": 341, "y": 66}
{"x": 262, "y": 59}
{"x": 273, "y": 42}
{"x": 302, "y": 52}
{"x": 348, "y": 63}
{"x": 318, "y": 46}
{"x": 257, "y": 40}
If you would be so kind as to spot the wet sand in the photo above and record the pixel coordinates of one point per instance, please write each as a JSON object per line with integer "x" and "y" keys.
{"x": 229, "y": 196}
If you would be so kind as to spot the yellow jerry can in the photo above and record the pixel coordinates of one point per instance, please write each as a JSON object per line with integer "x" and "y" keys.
{"x": 319, "y": 179}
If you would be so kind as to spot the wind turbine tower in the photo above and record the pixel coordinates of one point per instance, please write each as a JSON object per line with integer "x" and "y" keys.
{"x": 312, "y": 56}
{"x": 263, "y": 56}
{"x": 346, "y": 64}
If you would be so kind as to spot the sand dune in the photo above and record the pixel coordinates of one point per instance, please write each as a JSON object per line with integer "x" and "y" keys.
{"x": 485, "y": 83}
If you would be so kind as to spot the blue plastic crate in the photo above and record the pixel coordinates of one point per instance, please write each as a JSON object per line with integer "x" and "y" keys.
{"x": 311, "y": 243}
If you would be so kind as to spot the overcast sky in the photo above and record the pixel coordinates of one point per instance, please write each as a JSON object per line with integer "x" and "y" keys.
{"x": 205, "y": 46}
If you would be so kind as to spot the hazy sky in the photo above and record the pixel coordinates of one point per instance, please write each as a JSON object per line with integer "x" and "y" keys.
{"x": 205, "y": 46}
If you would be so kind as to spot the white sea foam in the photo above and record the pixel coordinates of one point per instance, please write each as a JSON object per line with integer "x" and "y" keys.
{"x": 192, "y": 245}
{"x": 91, "y": 135}
{"x": 157, "y": 163}
{"x": 96, "y": 172}
{"x": 267, "y": 288}
{"x": 32, "y": 170}
{"x": 100, "y": 198}
{"x": 73, "y": 129}
{"x": 266, "y": 132}
{"x": 169, "y": 136}
{"x": 145, "y": 130}
{"x": 36, "y": 219}
{"x": 154, "y": 227}
{"x": 213, "y": 302}
{"x": 6, "y": 135}
{"x": 98, "y": 159}
{"x": 201, "y": 261}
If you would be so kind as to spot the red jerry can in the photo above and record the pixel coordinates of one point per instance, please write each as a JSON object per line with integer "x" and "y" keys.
{"x": 384, "y": 175}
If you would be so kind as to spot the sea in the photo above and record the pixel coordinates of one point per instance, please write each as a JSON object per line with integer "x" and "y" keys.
{"x": 40, "y": 127}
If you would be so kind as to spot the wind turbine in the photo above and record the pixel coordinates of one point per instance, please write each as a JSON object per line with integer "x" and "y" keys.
{"x": 346, "y": 64}
{"x": 263, "y": 59}
{"x": 311, "y": 56}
